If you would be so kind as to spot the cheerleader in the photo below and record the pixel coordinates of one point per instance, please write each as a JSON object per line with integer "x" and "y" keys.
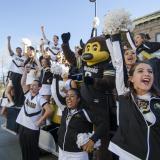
{"x": 139, "y": 113}
{"x": 16, "y": 69}
{"x": 129, "y": 58}
{"x": 76, "y": 120}
{"x": 46, "y": 79}
{"x": 46, "y": 52}
{"x": 54, "y": 47}
{"x": 31, "y": 116}
{"x": 33, "y": 64}
{"x": 146, "y": 50}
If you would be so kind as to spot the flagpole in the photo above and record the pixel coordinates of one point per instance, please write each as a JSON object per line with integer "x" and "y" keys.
{"x": 94, "y": 30}
{"x": 95, "y": 7}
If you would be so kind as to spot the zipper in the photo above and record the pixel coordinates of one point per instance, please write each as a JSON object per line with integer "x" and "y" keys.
{"x": 148, "y": 146}
{"x": 67, "y": 123}
{"x": 148, "y": 128}
{"x": 65, "y": 136}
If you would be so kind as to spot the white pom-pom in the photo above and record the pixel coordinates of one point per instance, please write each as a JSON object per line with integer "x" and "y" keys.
{"x": 56, "y": 69}
{"x": 117, "y": 20}
{"x": 26, "y": 41}
{"x": 96, "y": 22}
{"x": 83, "y": 138}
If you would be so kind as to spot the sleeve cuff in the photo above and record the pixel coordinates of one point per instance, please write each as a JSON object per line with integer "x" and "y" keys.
{"x": 94, "y": 138}
{"x": 44, "y": 104}
{"x": 116, "y": 37}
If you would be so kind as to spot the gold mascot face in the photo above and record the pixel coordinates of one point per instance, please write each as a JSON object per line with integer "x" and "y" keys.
{"x": 95, "y": 51}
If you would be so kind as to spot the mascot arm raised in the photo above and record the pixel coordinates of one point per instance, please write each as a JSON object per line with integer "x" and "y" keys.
{"x": 68, "y": 53}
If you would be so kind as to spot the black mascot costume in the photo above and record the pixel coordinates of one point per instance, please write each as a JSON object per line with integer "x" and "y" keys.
{"x": 97, "y": 86}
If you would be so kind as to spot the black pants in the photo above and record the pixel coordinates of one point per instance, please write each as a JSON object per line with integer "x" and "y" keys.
{"x": 29, "y": 143}
{"x": 18, "y": 92}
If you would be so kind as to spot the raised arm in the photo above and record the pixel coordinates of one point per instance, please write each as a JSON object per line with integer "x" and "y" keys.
{"x": 23, "y": 79}
{"x": 130, "y": 40}
{"x": 119, "y": 64}
{"x": 44, "y": 35}
{"x": 68, "y": 53}
{"x": 9, "y": 46}
{"x": 110, "y": 48}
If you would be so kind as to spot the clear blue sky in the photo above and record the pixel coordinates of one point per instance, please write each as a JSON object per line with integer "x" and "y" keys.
{"x": 23, "y": 18}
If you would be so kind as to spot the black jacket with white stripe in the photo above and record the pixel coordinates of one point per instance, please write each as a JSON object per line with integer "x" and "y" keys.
{"x": 135, "y": 138}
{"x": 134, "y": 135}
{"x": 81, "y": 121}
{"x": 78, "y": 122}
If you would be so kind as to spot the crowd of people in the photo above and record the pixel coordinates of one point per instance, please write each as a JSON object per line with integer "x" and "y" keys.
{"x": 58, "y": 77}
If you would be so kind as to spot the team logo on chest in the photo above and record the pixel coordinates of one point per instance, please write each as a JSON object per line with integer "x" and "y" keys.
{"x": 143, "y": 106}
{"x": 89, "y": 69}
{"x": 19, "y": 59}
{"x": 30, "y": 104}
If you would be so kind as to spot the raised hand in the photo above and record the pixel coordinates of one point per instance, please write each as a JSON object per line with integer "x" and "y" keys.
{"x": 66, "y": 37}
{"x": 42, "y": 28}
{"x": 9, "y": 38}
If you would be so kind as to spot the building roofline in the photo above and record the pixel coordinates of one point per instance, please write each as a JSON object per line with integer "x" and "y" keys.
{"x": 147, "y": 17}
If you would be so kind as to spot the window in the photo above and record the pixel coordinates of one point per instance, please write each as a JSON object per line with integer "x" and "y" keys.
{"x": 157, "y": 37}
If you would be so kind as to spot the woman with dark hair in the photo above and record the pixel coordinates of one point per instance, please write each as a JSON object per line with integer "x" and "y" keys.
{"x": 130, "y": 58}
{"x": 147, "y": 50}
{"x": 34, "y": 65}
{"x": 76, "y": 121}
{"x": 31, "y": 116}
{"x": 16, "y": 71}
{"x": 139, "y": 111}
{"x": 46, "y": 79}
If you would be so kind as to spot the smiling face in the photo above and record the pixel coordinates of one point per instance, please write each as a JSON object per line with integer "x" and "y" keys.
{"x": 45, "y": 62}
{"x": 35, "y": 87}
{"x": 55, "y": 40}
{"x": 138, "y": 40}
{"x": 72, "y": 99}
{"x": 130, "y": 57}
{"x": 142, "y": 78}
{"x": 18, "y": 51}
{"x": 30, "y": 52}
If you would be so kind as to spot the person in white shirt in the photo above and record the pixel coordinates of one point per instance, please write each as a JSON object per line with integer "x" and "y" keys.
{"x": 16, "y": 70}
{"x": 54, "y": 46}
{"x": 31, "y": 116}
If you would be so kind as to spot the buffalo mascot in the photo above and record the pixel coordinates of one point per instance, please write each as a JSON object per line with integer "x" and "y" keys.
{"x": 97, "y": 87}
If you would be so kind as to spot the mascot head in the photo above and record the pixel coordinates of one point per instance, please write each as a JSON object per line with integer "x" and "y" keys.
{"x": 95, "y": 51}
